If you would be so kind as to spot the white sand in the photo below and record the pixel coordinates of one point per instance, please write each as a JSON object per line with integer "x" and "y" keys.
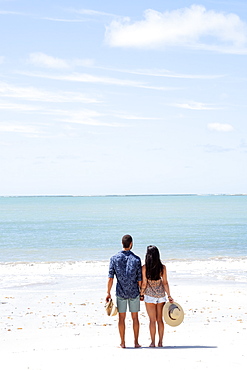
{"x": 64, "y": 326}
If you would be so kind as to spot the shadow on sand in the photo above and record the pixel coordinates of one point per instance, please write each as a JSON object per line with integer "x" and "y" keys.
{"x": 188, "y": 347}
{"x": 175, "y": 347}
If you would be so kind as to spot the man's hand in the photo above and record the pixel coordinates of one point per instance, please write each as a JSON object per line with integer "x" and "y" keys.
{"x": 108, "y": 297}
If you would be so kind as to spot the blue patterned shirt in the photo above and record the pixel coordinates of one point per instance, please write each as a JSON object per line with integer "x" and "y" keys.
{"x": 127, "y": 268}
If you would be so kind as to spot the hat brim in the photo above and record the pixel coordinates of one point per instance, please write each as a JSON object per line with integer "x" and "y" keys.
{"x": 110, "y": 308}
{"x": 168, "y": 319}
{"x": 114, "y": 310}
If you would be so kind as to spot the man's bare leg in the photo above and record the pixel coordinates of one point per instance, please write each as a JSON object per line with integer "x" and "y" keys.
{"x": 121, "y": 328}
{"x": 136, "y": 326}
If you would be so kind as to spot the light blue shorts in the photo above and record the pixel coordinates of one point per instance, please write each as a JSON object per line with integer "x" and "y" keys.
{"x": 133, "y": 304}
{"x": 154, "y": 300}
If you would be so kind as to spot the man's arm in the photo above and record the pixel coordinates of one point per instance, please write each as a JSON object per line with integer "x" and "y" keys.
{"x": 143, "y": 283}
{"x": 110, "y": 279}
{"x": 109, "y": 286}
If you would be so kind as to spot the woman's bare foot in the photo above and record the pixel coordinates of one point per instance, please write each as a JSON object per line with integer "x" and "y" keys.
{"x": 152, "y": 345}
{"x": 122, "y": 345}
{"x": 160, "y": 344}
{"x": 137, "y": 345}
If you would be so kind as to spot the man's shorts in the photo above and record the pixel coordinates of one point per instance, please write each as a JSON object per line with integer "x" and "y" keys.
{"x": 154, "y": 300}
{"x": 133, "y": 304}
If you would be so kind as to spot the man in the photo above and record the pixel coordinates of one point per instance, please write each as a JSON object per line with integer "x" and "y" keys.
{"x": 126, "y": 266}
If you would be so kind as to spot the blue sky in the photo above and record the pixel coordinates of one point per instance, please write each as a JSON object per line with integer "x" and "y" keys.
{"x": 133, "y": 97}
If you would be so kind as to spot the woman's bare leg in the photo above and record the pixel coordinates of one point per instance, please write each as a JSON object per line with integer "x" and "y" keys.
{"x": 160, "y": 323}
{"x": 152, "y": 314}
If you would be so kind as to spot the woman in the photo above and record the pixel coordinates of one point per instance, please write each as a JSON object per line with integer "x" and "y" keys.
{"x": 153, "y": 289}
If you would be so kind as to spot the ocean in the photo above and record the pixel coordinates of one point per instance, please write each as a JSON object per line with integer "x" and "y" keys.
{"x": 203, "y": 234}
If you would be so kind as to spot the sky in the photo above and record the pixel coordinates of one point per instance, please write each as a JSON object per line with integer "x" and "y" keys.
{"x": 120, "y": 98}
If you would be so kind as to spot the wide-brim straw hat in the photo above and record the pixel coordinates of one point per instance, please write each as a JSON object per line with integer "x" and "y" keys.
{"x": 110, "y": 308}
{"x": 173, "y": 314}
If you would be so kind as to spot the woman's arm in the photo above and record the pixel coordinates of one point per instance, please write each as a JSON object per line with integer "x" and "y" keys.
{"x": 166, "y": 285}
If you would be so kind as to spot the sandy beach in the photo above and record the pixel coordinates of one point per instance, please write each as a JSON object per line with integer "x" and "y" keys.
{"x": 63, "y": 325}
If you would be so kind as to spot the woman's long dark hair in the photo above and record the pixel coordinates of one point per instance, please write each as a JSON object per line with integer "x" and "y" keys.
{"x": 154, "y": 266}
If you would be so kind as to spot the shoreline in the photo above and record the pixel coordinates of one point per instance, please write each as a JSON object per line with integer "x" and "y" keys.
{"x": 67, "y": 275}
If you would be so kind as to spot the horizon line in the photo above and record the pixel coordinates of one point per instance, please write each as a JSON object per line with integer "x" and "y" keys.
{"x": 122, "y": 195}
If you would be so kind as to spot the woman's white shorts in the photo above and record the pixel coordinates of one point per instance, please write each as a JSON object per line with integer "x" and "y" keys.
{"x": 154, "y": 300}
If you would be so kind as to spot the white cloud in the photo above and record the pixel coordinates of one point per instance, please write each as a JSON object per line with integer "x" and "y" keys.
{"x": 88, "y": 78}
{"x": 93, "y": 12}
{"x": 34, "y": 94}
{"x": 8, "y": 12}
{"x": 159, "y": 73}
{"x": 18, "y": 128}
{"x": 44, "y": 60}
{"x": 41, "y": 59}
{"x": 82, "y": 117}
{"x": 83, "y": 62}
{"x": 217, "y": 149}
{"x": 196, "y": 106}
{"x": 220, "y": 127}
{"x": 133, "y": 117}
{"x": 63, "y": 20}
{"x": 18, "y": 107}
{"x": 190, "y": 27}
{"x": 48, "y": 61}
{"x": 85, "y": 12}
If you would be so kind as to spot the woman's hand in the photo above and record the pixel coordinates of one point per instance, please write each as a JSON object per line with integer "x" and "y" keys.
{"x": 171, "y": 300}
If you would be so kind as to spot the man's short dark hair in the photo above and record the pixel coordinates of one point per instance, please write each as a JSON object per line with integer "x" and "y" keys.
{"x": 126, "y": 241}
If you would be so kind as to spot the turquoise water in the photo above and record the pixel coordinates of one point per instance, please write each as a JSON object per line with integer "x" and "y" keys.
{"x": 49, "y": 229}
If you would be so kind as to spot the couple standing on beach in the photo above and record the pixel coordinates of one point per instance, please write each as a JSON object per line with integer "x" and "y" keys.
{"x": 137, "y": 283}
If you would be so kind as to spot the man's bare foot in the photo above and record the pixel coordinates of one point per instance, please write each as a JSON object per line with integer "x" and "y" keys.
{"x": 152, "y": 345}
